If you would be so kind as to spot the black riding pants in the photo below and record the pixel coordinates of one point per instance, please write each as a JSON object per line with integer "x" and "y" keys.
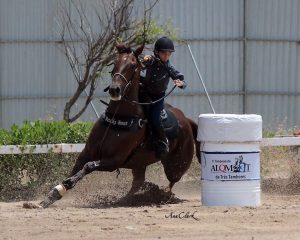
{"x": 155, "y": 110}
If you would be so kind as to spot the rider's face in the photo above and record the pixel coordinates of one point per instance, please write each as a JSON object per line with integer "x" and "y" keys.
{"x": 164, "y": 56}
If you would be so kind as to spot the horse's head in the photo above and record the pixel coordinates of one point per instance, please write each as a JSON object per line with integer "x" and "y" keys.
{"x": 126, "y": 66}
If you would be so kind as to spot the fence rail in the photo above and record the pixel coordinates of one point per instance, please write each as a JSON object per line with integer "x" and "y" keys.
{"x": 40, "y": 149}
{"x": 76, "y": 148}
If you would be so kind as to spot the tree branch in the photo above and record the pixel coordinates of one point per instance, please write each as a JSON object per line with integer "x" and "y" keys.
{"x": 89, "y": 50}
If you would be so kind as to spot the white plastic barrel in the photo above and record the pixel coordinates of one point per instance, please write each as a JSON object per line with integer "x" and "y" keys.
{"x": 230, "y": 159}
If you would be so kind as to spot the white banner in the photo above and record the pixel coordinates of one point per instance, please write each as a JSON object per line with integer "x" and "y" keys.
{"x": 238, "y": 166}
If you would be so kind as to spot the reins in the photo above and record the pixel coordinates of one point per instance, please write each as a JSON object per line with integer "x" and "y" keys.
{"x": 156, "y": 101}
{"x": 128, "y": 83}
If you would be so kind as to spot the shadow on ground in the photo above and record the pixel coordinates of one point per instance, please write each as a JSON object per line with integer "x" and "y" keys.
{"x": 149, "y": 195}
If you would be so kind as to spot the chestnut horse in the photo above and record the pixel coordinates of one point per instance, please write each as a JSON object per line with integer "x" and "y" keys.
{"x": 108, "y": 148}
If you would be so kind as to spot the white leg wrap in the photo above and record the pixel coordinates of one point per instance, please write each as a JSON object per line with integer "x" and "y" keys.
{"x": 61, "y": 189}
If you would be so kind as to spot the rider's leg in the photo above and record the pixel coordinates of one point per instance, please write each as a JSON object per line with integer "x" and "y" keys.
{"x": 162, "y": 145}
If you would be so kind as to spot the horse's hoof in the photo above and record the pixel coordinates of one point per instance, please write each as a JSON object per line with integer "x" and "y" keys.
{"x": 171, "y": 197}
{"x": 167, "y": 190}
{"x": 46, "y": 203}
{"x": 53, "y": 196}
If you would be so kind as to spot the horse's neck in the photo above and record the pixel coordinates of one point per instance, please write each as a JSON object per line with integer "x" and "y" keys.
{"x": 132, "y": 93}
{"x": 123, "y": 108}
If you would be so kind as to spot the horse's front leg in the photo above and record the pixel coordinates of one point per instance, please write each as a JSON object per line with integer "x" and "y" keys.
{"x": 58, "y": 191}
{"x": 89, "y": 167}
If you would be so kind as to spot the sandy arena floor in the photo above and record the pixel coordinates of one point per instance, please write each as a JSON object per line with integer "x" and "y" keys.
{"x": 75, "y": 217}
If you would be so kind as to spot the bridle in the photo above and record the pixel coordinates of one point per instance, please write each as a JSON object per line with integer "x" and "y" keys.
{"x": 121, "y": 75}
{"x": 128, "y": 83}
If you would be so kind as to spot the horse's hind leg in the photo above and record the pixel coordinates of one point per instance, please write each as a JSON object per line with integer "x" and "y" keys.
{"x": 138, "y": 180}
{"x": 176, "y": 165}
{"x": 171, "y": 185}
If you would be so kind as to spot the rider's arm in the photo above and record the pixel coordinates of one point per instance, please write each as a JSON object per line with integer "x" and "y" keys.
{"x": 176, "y": 75}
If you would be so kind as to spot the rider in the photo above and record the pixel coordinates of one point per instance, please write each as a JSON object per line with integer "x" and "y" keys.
{"x": 155, "y": 78}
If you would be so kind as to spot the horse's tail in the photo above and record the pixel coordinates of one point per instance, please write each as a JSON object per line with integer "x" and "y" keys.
{"x": 194, "y": 127}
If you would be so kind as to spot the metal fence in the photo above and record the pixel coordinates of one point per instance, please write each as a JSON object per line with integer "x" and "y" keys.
{"x": 247, "y": 52}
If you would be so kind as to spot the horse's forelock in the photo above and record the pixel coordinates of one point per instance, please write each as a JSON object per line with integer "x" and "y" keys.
{"x": 123, "y": 49}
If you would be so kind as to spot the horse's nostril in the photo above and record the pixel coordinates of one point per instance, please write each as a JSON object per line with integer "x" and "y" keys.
{"x": 115, "y": 91}
{"x": 118, "y": 90}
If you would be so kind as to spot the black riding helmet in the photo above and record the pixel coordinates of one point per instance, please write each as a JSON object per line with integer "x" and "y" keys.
{"x": 164, "y": 44}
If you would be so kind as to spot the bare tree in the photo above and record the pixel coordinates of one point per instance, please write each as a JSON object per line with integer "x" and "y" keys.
{"x": 89, "y": 38}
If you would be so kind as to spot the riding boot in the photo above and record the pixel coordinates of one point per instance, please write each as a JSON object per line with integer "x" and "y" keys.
{"x": 162, "y": 144}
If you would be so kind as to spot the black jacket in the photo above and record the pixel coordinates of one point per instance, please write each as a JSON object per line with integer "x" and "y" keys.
{"x": 156, "y": 75}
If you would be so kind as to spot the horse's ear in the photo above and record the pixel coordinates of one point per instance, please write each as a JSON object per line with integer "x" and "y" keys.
{"x": 139, "y": 50}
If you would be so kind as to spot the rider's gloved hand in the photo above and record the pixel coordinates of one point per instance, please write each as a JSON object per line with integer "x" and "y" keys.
{"x": 179, "y": 83}
{"x": 147, "y": 58}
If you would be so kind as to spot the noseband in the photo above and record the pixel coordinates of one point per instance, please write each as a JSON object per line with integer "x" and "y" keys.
{"x": 122, "y": 76}
{"x": 128, "y": 83}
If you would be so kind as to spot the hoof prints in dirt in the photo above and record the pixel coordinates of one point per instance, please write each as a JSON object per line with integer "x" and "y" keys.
{"x": 150, "y": 194}
{"x": 29, "y": 205}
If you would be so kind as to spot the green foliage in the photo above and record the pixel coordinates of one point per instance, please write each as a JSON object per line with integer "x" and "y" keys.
{"x": 268, "y": 134}
{"x": 21, "y": 176}
{"x": 154, "y": 31}
{"x": 40, "y": 132}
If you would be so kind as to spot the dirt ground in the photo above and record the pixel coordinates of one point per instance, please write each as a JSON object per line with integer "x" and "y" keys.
{"x": 95, "y": 217}
{"x": 96, "y": 209}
